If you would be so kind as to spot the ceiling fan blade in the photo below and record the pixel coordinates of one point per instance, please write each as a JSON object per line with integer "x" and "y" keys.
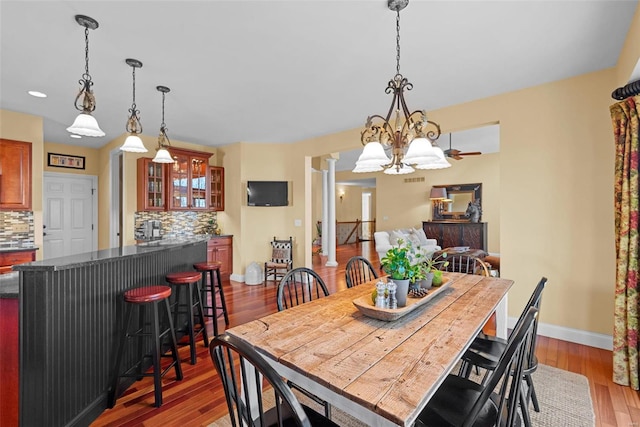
{"x": 470, "y": 153}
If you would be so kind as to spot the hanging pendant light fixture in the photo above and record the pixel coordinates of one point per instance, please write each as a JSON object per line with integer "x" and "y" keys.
{"x": 407, "y": 136}
{"x": 133, "y": 143}
{"x": 85, "y": 124}
{"x": 163, "y": 155}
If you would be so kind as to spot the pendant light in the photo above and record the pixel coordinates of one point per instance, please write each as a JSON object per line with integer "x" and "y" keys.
{"x": 85, "y": 124}
{"x": 163, "y": 155}
{"x": 133, "y": 143}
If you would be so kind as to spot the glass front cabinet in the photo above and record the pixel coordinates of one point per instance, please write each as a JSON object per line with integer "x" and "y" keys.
{"x": 216, "y": 188}
{"x": 151, "y": 185}
{"x": 188, "y": 178}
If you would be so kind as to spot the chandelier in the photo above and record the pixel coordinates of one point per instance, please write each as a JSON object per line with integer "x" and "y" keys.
{"x": 163, "y": 155}
{"x": 409, "y": 137}
{"x": 133, "y": 143}
{"x": 85, "y": 124}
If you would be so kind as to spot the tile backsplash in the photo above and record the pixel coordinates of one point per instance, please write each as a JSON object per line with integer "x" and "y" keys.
{"x": 16, "y": 227}
{"x": 177, "y": 224}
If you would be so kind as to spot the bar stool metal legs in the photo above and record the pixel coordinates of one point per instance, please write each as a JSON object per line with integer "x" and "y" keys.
{"x": 192, "y": 307}
{"x": 151, "y": 296}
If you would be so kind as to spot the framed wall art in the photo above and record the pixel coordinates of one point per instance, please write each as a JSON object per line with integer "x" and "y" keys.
{"x": 65, "y": 161}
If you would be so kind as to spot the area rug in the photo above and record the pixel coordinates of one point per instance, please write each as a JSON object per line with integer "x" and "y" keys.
{"x": 563, "y": 396}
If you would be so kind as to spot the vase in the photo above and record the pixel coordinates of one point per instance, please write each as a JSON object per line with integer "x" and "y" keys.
{"x": 426, "y": 282}
{"x": 401, "y": 291}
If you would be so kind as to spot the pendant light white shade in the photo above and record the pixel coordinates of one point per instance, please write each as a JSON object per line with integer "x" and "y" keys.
{"x": 133, "y": 144}
{"x": 85, "y": 125}
{"x": 163, "y": 156}
{"x": 371, "y": 159}
{"x": 440, "y": 163}
{"x": 420, "y": 151}
{"x": 367, "y": 168}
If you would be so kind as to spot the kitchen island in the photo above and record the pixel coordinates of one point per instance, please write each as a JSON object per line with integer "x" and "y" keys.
{"x": 70, "y": 315}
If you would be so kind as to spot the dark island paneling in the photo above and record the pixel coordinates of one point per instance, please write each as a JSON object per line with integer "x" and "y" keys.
{"x": 70, "y": 316}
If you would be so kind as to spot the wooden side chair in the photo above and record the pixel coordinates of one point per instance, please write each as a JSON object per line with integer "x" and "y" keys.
{"x": 460, "y": 402}
{"x": 359, "y": 270}
{"x": 299, "y": 286}
{"x": 281, "y": 259}
{"x": 242, "y": 370}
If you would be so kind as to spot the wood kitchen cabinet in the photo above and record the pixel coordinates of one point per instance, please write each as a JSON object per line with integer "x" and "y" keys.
{"x": 452, "y": 234}
{"x": 9, "y": 259}
{"x": 188, "y": 185}
{"x": 15, "y": 175}
{"x": 152, "y": 185}
{"x": 216, "y": 188}
{"x": 221, "y": 249}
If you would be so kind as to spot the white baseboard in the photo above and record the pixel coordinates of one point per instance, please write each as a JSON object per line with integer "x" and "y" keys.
{"x": 577, "y": 336}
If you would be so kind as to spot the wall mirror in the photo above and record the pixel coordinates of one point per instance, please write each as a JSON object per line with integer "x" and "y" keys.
{"x": 459, "y": 196}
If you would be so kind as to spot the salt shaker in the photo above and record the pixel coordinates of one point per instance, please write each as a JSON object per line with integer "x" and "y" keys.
{"x": 381, "y": 287}
{"x": 393, "y": 303}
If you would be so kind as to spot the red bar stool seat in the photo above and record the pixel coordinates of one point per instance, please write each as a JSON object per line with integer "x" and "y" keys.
{"x": 144, "y": 297}
{"x": 212, "y": 270}
{"x": 191, "y": 307}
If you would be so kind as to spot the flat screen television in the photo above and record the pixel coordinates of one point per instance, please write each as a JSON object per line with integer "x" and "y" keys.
{"x": 267, "y": 193}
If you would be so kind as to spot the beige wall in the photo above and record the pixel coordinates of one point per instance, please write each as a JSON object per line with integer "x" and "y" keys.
{"x": 28, "y": 128}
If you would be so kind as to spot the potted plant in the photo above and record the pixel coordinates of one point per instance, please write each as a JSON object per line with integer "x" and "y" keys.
{"x": 431, "y": 270}
{"x": 400, "y": 264}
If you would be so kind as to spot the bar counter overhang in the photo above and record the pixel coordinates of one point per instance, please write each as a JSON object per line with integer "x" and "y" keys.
{"x": 70, "y": 314}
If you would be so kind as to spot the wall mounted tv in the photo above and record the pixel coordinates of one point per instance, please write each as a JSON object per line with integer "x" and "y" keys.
{"x": 267, "y": 193}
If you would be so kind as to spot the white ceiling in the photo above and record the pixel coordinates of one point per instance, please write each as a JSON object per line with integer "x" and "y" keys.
{"x": 283, "y": 71}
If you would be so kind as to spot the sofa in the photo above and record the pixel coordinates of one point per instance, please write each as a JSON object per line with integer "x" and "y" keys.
{"x": 385, "y": 240}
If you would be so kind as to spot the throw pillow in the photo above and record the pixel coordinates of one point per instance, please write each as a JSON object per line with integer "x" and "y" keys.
{"x": 421, "y": 235}
{"x": 394, "y": 236}
{"x": 413, "y": 238}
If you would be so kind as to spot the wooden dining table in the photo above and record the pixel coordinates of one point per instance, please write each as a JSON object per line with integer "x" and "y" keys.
{"x": 381, "y": 372}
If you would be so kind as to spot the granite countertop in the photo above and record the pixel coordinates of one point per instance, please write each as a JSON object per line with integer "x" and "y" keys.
{"x": 9, "y": 285}
{"x": 72, "y": 261}
{"x": 18, "y": 248}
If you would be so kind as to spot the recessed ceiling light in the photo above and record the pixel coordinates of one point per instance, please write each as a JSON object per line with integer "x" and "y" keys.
{"x": 73, "y": 135}
{"x": 37, "y": 94}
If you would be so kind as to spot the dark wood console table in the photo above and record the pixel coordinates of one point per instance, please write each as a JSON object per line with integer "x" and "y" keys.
{"x": 451, "y": 234}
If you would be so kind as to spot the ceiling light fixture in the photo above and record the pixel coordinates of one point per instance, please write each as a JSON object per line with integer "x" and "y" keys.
{"x": 411, "y": 142}
{"x": 85, "y": 124}
{"x": 163, "y": 155}
{"x": 37, "y": 94}
{"x": 133, "y": 143}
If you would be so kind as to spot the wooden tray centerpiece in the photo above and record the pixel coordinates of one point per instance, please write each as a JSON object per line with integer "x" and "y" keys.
{"x": 368, "y": 308}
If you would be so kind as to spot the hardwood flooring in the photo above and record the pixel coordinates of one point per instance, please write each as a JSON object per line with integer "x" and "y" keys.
{"x": 198, "y": 399}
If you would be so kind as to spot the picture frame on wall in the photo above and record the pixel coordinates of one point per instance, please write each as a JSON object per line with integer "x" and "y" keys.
{"x": 57, "y": 160}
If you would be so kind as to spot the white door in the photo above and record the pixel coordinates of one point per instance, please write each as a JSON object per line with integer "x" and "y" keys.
{"x": 69, "y": 214}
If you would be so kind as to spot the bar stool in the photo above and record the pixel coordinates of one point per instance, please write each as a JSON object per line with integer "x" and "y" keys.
{"x": 215, "y": 286}
{"x": 191, "y": 279}
{"x": 142, "y": 298}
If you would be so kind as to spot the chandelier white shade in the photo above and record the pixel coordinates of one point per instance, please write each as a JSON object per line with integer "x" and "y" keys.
{"x": 408, "y": 137}
{"x": 163, "y": 156}
{"x": 133, "y": 144}
{"x": 86, "y": 125}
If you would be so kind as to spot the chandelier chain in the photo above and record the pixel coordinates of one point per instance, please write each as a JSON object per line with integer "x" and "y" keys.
{"x": 162, "y": 125}
{"x": 133, "y": 105}
{"x": 86, "y": 76}
{"x": 398, "y": 42}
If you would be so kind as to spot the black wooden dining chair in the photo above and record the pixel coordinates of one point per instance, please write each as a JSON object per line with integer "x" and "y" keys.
{"x": 359, "y": 270}
{"x": 460, "y": 402}
{"x": 242, "y": 370}
{"x": 299, "y": 286}
{"x": 485, "y": 352}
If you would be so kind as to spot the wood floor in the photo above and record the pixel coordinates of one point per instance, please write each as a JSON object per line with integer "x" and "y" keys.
{"x": 198, "y": 399}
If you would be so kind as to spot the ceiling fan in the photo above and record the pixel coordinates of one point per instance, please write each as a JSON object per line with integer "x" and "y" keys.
{"x": 457, "y": 154}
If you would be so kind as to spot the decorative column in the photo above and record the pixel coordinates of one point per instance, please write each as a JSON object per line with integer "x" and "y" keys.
{"x": 325, "y": 214}
{"x": 331, "y": 217}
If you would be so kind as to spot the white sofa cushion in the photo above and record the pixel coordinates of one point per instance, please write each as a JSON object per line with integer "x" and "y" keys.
{"x": 384, "y": 242}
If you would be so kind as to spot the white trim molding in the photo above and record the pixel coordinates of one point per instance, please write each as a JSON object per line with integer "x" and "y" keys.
{"x": 592, "y": 339}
